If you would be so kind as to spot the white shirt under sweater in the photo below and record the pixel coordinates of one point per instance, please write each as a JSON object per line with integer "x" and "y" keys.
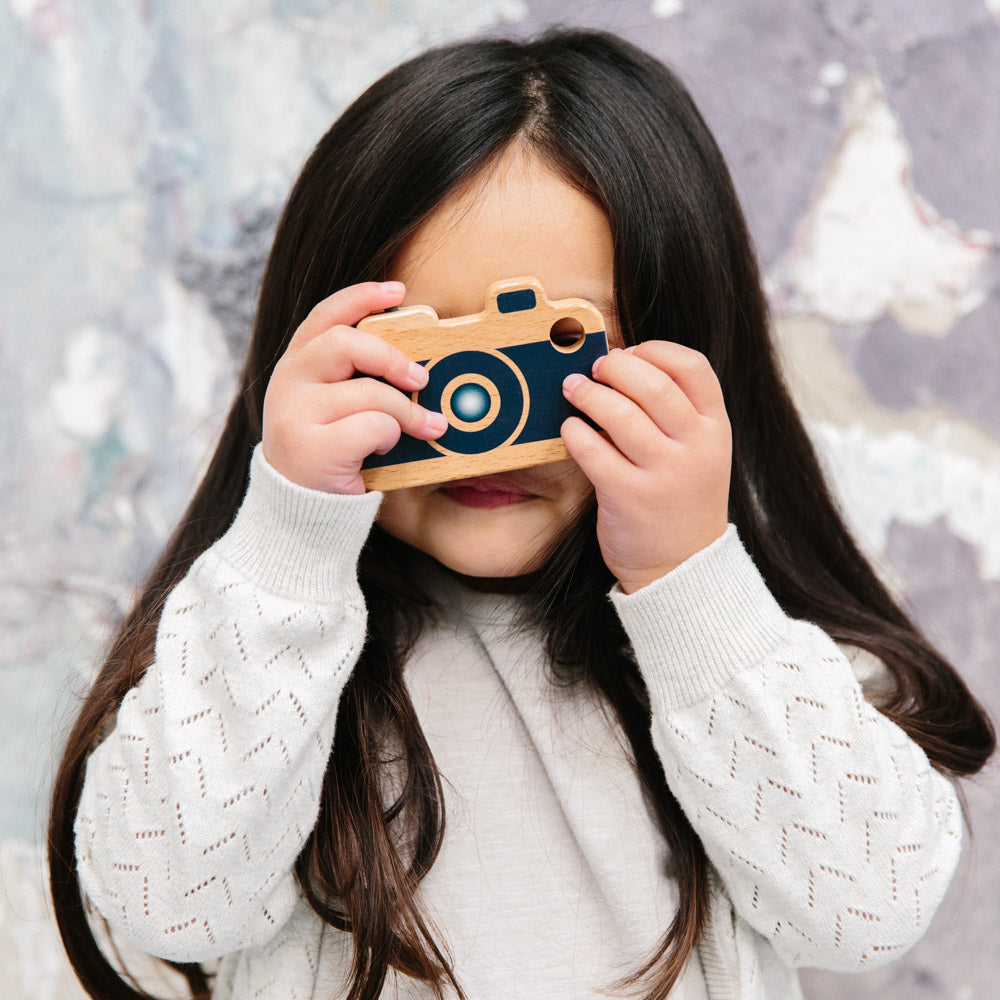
{"x": 832, "y": 840}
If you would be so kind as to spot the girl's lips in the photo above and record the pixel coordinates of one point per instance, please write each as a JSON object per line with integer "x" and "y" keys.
{"x": 487, "y": 492}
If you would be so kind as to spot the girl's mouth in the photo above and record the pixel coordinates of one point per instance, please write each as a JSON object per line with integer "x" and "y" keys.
{"x": 486, "y": 492}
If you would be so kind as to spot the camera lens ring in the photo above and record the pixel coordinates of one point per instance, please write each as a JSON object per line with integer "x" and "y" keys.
{"x": 504, "y": 382}
{"x": 458, "y": 387}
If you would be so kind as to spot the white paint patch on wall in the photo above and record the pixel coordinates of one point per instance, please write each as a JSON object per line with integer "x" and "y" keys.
{"x": 83, "y": 400}
{"x": 900, "y": 477}
{"x": 666, "y": 8}
{"x": 832, "y": 74}
{"x": 870, "y": 244}
{"x": 191, "y": 344}
{"x": 96, "y": 390}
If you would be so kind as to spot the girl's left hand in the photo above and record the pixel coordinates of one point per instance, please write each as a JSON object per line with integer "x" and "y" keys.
{"x": 661, "y": 469}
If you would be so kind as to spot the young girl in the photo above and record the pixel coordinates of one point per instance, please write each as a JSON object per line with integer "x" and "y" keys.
{"x": 641, "y": 722}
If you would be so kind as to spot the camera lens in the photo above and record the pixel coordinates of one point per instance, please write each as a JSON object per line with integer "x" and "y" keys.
{"x": 483, "y": 396}
{"x": 470, "y": 402}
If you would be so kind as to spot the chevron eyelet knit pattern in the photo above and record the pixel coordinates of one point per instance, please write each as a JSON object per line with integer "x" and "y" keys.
{"x": 831, "y": 839}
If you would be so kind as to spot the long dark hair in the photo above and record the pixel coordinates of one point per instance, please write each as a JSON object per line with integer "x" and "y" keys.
{"x": 621, "y": 127}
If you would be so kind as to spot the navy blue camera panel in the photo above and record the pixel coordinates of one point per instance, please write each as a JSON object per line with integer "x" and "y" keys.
{"x": 544, "y": 369}
{"x": 516, "y": 301}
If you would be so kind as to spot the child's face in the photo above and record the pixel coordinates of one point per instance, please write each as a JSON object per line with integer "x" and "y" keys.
{"x": 520, "y": 218}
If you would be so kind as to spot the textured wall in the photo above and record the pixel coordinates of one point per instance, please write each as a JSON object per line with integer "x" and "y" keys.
{"x": 146, "y": 151}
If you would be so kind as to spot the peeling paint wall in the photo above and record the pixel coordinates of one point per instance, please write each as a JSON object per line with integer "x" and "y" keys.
{"x": 147, "y": 149}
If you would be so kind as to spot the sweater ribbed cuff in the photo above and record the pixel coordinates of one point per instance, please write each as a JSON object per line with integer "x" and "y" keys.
{"x": 297, "y": 542}
{"x": 697, "y": 627}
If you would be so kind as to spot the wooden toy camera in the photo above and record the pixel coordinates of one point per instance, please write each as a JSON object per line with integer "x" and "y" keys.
{"x": 497, "y": 378}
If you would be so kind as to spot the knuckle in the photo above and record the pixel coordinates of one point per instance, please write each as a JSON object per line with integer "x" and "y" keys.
{"x": 631, "y": 419}
{"x": 283, "y": 377}
{"x": 367, "y": 391}
{"x": 587, "y": 449}
{"x": 627, "y": 415}
{"x": 398, "y": 361}
{"x": 413, "y": 414}
{"x": 379, "y": 357}
{"x": 327, "y": 312}
{"x": 320, "y": 313}
{"x": 697, "y": 363}
{"x": 663, "y": 387}
{"x": 380, "y": 425}
{"x": 332, "y": 339}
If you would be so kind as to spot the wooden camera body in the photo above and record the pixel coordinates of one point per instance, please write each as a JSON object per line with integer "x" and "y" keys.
{"x": 497, "y": 378}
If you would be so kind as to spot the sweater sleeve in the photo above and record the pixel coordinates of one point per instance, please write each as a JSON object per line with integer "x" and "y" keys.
{"x": 834, "y": 837}
{"x": 195, "y": 807}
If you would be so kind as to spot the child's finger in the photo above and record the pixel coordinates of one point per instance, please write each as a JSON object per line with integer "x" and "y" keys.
{"x": 340, "y": 352}
{"x": 651, "y": 389}
{"x": 630, "y": 429}
{"x": 332, "y": 403}
{"x": 362, "y": 434}
{"x": 347, "y": 307}
{"x": 689, "y": 369}
{"x": 602, "y": 463}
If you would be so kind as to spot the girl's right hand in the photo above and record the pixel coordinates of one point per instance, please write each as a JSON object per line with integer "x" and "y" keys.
{"x": 320, "y": 423}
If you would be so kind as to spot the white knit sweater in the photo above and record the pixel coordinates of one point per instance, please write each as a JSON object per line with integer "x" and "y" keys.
{"x": 831, "y": 839}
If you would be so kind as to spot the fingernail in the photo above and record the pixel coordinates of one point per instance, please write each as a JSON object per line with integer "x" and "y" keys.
{"x": 437, "y": 422}
{"x": 597, "y": 364}
{"x": 570, "y": 382}
{"x": 419, "y": 374}
{"x": 393, "y": 287}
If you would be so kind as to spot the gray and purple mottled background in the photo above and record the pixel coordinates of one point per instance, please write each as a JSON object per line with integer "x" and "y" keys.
{"x": 147, "y": 148}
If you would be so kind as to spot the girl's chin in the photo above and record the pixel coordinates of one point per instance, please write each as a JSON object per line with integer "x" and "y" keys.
{"x": 499, "y": 555}
{"x": 490, "y": 575}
